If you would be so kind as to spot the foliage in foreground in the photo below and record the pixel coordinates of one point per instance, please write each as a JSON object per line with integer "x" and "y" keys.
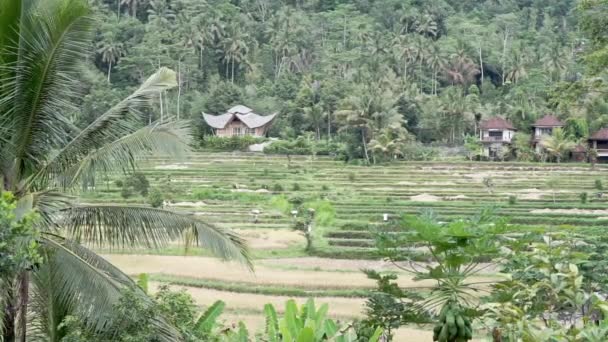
{"x": 553, "y": 289}
{"x": 134, "y": 322}
{"x": 43, "y": 156}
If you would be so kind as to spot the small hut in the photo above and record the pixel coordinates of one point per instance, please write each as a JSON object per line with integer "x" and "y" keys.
{"x": 496, "y": 134}
{"x": 599, "y": 142}
{"x": 544, "y": 127}
{"x": 239, "y": 121}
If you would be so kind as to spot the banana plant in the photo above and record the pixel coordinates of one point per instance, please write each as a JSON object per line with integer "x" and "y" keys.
{"x": 307, "y": 324}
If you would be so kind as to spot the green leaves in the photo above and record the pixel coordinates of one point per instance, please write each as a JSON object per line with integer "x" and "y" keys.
{"x": 121, "y": 226}
{"x": 208, "y": 319}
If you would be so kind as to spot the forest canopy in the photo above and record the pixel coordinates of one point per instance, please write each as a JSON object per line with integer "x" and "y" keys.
{"x": 371, "y": 69}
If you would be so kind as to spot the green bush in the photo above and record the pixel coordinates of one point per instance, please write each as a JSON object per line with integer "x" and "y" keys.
{"x": 296, "y": 187}
{"x": 598, "y": 185}
{"x": 512, "y": 200}
{"x": 276, "y": 187}
{"x": 351, "y": 177}
{"x": 234, "y": 143}
{"x": 583, "y": 196}
{"x": 303, "y": 146}
{"x": 155, "y": 198}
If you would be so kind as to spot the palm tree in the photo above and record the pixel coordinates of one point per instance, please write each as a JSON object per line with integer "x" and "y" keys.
{"x": 42, "y": 154}
{"x": 110, "y": 50}
{"x": 435, "y": 62}
{"x": 557, "y": 144}
{"x": 390, "y": 142}
{"x": 315, "y": 114}
{"x": 461, "y": 70}
{"x": 405, "y": 51}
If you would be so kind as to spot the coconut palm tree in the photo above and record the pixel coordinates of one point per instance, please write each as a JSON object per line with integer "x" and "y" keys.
{"x": 42, "y": 155}
{"x": 557, "y": 144}
{"x": 110, "y": 50}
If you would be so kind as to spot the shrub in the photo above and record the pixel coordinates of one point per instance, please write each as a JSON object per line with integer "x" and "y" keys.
{"x": 598, "y": 185}
{"x": 324, "y": 187}
{"x": 155, "y": 198}
{"x": 118, "y": 183}
{"x": 296, "y": 187}
{"x": 126, "y": 192}
{"x": 583, "y": 196}
{"x": 351, "y": 177}
{"x": 136, "y": 182}
{"x": 234, "y": 143}
{"x": 303, "y": 146}
{"x": 512, "y": 200}
{"x": 276, "y": 187}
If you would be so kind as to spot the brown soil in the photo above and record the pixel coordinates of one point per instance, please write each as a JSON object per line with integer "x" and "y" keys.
{"x": 425, "y": 198}
{"x": 213, "y": 269}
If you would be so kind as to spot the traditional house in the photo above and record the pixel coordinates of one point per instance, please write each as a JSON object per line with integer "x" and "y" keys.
{"x": 496, "y": 134}
{"x": 599, "y": 142}
{"x": 239, "y": 121}
{"x": 544, "y": 127}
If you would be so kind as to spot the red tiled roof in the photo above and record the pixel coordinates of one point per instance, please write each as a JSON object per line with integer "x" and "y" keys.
{"x": 548, "y": 121}
{"x": 602, "y": 134}
{"x": 496, "y": 123}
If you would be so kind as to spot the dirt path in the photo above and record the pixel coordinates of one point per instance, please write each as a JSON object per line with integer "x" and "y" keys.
{"x": 213, "y": 269}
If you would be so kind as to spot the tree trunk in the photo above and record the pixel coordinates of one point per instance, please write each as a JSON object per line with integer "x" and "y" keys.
{"x": 10, "y": 315}
{"x": 160, "y": 96}
{"x": 364, "y": 145}
{"x": 23, "y": 301}
{"x": 179, "y": 85}
{"x": 134, "y": 8}
{"x": 232, "y": 71}
{"x": 504, "y": 52}
{"x": 480, "y": 63}
{"x": 109, "y": 71}
{"x": 328, "y": 125}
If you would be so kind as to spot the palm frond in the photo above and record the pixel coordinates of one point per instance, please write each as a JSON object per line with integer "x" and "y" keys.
{"x": 169, "y": 139}
{"x": 54, "y": 37}
{"x": 48, "y": 204}
{"x": 83, "y": 284}
{"x": 117, "y": 123}
{"x": 121, "y": 226}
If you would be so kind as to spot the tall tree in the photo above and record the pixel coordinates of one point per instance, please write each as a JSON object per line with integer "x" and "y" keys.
{"x": 42, "y": 43}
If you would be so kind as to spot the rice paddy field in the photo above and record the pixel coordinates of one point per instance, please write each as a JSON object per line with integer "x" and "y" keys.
{"x": 225, "y": 189}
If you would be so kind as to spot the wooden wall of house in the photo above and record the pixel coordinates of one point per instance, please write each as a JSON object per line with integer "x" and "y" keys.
{"x": 230, "y": 130}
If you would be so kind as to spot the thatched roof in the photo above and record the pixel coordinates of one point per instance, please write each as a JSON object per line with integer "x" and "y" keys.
{"x": 241, "y": 113}
{"x": 496, "y": 123}
{"x": 548, "y": 121}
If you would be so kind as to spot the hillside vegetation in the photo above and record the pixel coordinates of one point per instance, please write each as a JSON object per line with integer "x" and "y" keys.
{"x": 374, "y": 71}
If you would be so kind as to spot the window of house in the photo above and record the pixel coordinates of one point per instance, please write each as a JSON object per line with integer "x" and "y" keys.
{"x": 237, "y": 131}
{"x": 251, "y": 131}
{"x": 495, "y": 133}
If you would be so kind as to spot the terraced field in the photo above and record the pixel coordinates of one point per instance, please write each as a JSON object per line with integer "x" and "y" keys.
{"x": 226, "y": 188}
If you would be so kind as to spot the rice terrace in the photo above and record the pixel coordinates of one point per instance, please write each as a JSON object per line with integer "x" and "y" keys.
{"x": 237, "y": 191}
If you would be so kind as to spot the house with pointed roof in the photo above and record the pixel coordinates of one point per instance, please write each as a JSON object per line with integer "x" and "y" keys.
{"x": 239, "y": 121}
{"x": 544, "y": 127}
{"x": 495, "y": 134}
{"x": 599, "y": 142}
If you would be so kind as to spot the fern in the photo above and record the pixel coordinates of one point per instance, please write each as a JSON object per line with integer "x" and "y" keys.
{"x": 208, "y": 319}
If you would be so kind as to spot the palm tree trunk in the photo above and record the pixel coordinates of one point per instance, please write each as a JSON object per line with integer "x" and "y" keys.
{"x": 481, "y": 63}
{"x": 134, "y": 8}
{"x": 9, "y": 315}
{"x": 109, "y": 71}
{"x": 328, "y": 125}
{"x": 364, "y": 145}
{"x": 23, "y": 301}
{"x": 179, "y": 85}
{"x": 232, "y": 71}
{"x": 160, "y": 96}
